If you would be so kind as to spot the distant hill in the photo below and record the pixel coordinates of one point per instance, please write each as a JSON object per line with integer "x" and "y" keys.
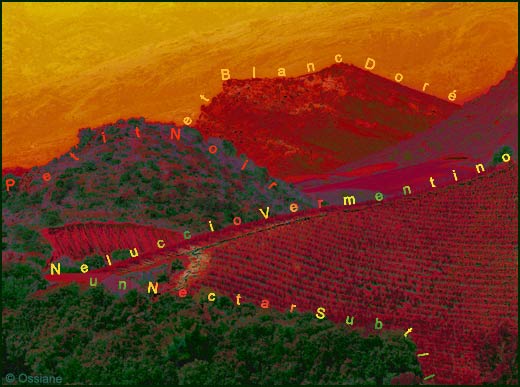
{"x": 443, "y": 262}
{"x": 317, "y": 122}
{"x": 17, "y": 171}
{"x": 155, "y": 179}
{"x": 471, "y": 135}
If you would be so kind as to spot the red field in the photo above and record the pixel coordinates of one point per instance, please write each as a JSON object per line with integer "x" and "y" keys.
{"x": 78, "y": 240}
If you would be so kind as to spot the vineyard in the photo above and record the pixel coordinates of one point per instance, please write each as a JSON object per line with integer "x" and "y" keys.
{"x": 444, "y": 263}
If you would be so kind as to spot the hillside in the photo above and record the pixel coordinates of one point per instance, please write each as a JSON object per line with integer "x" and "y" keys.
{"x": 149, "y": 178}
{"x": 405, "y": 262}
{"x": 444, "y": 263}
{"x": 317, "y": 122}
{"x": 469, "y": 136}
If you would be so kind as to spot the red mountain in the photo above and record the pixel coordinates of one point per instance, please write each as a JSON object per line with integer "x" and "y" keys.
{"x": 444, "y": 263}
{"x": 319, "y": 121}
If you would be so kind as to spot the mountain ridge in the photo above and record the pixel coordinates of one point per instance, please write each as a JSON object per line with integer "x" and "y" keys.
{"x": 319, "y": 120}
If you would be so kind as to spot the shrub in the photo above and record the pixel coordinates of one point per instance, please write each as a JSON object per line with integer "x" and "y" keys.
{"x": 124, "y": 178}
{"x": 88, "y": 166}
{"x": 152, "y": 165}
{"x": 51, "y": 218}
{"x": 26, "y": 240}
{"x": 94, "y": 261}
{"x": 120, "y": 255}
{"x": 163, "y": 277}
{"x": 136, "y": 122}
{"x": 177, "y": 265}
{"x": 197, "y": 137}
{"x": 497, "y": 157}
{"x": 229, "y": 148}
{"x": 85, "y": 136}
{"x": 18, "y": 281}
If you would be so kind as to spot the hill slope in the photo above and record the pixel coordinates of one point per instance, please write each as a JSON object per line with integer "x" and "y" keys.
{"x": 469, "y": 136}
{"x": 317, "y": 122}
{"x": 444, "y": 263}
{"x": 150, "y": 178}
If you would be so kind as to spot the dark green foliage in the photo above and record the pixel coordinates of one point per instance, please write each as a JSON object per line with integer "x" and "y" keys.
{"x": 180, "y": 341}
{"x": 109, "y": 158}
{"x": 152, "y": 165}
{"x": 230, "y": 209}
{"x": 229, "y": 148}
{"x": 51, "y": 218}
{"x": 4, "y": 236}
{"x": 96, "y": 203}
{"x": 497, "y": 157}
{"x": 81, "y": 195}
{"x": 111, "y": 132}
{"x": 171, "y": 211}
{"x": 120, "y": 255}
{"x": 88, "y": 166}
{"x": 17, "y": 201}
{"x": 64, "y": 184}
{"x": 122, "y": 202}
{"x": 94, "y": 261}
{"x": 139, "y": 122}
{"x": 125, "y": 177}
{"x": 260, "y": 175}
{"x": 10, "y": 197}
{"x": 163, "y": 277}
{"x": 69, "y": 172}
{"x": 19, "y": 280}
{"x": 177, "y": 265}
{"x": 25, "y": 240}
{"x": 156, "y": 184}
{"x": 37, "y": 197}
{"x": 194, "y": 133}
{"x": 85, "y": 137}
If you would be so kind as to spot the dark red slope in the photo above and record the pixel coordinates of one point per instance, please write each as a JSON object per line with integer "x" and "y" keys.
{"x": 319, "y": 121}
{"x": 444, "y": 263}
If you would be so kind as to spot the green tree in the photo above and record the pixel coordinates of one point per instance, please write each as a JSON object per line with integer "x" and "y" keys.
{"x": 18, "y": 281}
{"x": 27, "y": 240}
{"x": 229, "y": 148}
{"x": 177, "y": 265}
{"x": 88, "y": 166}
{"x": 94, "y": 261}
{"x": 85, "y": 136}
{"x": 497, "y": 157}
{"x": 125, "y": 177}
{"x": 50, "y": 218}
{"x": 120, "y": 255}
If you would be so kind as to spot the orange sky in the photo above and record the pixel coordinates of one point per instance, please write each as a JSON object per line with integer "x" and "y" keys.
{"x": 67, "y": 66}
